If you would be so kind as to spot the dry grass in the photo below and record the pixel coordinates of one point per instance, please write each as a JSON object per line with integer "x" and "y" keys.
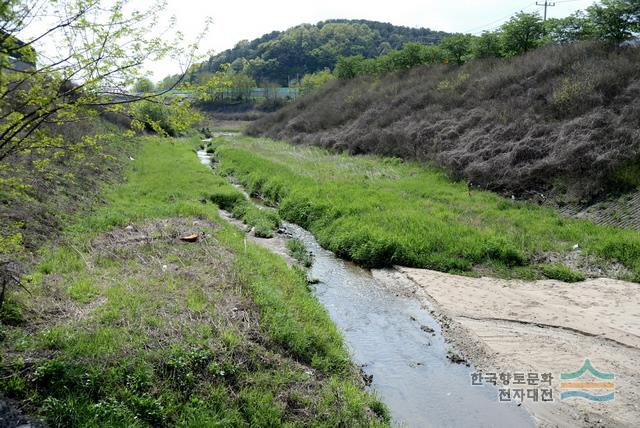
{"x": 565, "y": 118}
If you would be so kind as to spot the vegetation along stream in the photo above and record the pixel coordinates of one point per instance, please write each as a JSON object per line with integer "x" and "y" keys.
{"x": 397, "y": 342}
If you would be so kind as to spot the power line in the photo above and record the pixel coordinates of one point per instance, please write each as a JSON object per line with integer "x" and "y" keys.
{"x": 546, "y": 5}
{"x": 480, "y": 27}
{"x": 489, "y": 26}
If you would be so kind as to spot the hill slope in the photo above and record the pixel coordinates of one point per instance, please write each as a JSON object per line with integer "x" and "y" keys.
{"x": 308, "y": 48}
{"x": 561, "y": 118}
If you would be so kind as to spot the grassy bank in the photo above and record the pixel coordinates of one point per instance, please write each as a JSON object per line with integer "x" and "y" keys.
{"x": 382, "y": 211}
{"x": 126, "y": 325}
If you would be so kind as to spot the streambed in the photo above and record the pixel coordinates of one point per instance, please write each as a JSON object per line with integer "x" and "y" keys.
{"x": 399, "y": 343}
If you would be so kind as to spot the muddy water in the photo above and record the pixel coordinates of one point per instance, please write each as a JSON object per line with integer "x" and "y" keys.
{"x": 390, "y": 336}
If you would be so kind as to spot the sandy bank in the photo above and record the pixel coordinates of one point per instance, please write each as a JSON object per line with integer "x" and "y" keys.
{"x": 544, "y": 326}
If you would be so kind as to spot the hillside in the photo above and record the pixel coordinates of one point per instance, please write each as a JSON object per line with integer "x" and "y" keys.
{"x": 307, "y": 48}
{"x": 563, "y": 118}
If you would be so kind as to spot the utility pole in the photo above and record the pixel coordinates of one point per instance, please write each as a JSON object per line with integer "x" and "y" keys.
{"x": 546, "y": 4}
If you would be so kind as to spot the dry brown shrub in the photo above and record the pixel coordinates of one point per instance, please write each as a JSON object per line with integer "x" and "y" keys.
{"x": 567, "y": 114}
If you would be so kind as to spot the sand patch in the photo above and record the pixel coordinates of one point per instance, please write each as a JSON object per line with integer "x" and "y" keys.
{"x": 545, "y": 326}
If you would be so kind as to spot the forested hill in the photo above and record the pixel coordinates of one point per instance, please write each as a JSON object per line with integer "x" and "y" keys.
{"x": 307, "y": 48}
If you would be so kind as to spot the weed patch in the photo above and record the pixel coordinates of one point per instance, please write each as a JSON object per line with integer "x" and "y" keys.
{"x": 562, "y": 273}
{"x": 299, "y": 252}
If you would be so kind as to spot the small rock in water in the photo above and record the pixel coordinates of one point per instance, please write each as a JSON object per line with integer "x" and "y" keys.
{"x": 455, "y": 358}
{"x": 426, "y": 329}
{"x": 368, "y": 379}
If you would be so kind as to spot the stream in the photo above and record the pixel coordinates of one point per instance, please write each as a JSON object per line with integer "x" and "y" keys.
{"x": 398, "y": 342}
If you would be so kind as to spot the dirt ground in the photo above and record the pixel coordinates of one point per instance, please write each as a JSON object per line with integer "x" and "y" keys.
{"x": 277, "y": 244}
{"x": 543, "y": 327}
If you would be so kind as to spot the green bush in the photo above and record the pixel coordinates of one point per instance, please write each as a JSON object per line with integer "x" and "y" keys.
{"x": 299, "y": 252}
{"x": 264, "y": 221}
{"x": 11, "y": 312}
{"x": 625, "y": 249}
{"x": 260, "y": 409}
{"x": 62, "y": 413}
{"x": 166, "y": 117}
{"x": 227, "y": 198}
{"x": 499, "y": 248}
{"x": 562, "y": 273}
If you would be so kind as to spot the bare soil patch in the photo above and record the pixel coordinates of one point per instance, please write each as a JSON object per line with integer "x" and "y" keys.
{"x": 277, "y": 244}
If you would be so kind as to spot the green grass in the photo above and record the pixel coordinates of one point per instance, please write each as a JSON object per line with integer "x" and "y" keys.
{"x": 264, "y": 221}
{"x": 144, "y": 334}
{"x": 299, "y": 252}
{"x": 561, "y": 272}
{"x": 380, "y": 211}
